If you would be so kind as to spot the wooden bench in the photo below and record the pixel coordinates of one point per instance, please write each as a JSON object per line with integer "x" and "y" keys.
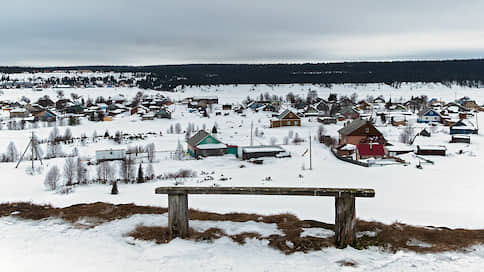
{"x": 345, "y": 216}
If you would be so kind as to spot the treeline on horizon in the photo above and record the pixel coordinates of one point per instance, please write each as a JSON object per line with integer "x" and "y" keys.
{"x": 166, "y": 77}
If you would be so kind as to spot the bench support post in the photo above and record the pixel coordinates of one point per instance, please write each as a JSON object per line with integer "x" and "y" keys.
{"x": 178, "y": 215}
{"x": 345, "y": 220}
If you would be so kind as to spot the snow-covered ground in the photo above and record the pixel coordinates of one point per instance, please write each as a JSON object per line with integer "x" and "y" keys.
{"x": 448, "y": 193}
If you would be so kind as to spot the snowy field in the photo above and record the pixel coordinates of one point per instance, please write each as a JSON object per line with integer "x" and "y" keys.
{"x": 448, "y": 193}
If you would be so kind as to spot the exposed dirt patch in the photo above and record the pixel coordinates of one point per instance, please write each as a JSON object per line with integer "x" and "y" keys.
{"x": 392, "y": 237}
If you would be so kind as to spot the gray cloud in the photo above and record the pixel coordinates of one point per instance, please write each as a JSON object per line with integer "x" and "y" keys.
{"x": 68, "y": 32}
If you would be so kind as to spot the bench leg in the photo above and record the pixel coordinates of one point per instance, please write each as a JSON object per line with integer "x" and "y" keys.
{"x": 178, "y": 215}
{"x": 345, "y": 221}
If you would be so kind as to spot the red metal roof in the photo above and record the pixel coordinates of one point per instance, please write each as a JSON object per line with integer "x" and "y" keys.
{"x": 371, "y": 149}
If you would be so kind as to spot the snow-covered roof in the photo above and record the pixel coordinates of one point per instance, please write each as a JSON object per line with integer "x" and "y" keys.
{"x": 211, "y": 146}
{"x": 432, "y": 147}
{"x": 253, "y": 149}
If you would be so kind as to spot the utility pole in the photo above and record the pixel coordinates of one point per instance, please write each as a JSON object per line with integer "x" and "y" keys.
{"x": 310, "y": 153}
{"x": 251, "y": 139}
{"x": 32, "y": 144}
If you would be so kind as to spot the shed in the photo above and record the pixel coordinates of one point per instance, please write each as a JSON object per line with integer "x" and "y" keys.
{"x": 110, "y": 155}
{"x": 465, "y": 139}
{"x": 433, "y": 150}
{"x": 251, "y": 152}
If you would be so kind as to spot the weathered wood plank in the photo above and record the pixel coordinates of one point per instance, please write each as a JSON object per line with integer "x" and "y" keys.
{"x": 297, "y": 191}
{"x": 345, "y": 220}
{"x": 178, "y": 215}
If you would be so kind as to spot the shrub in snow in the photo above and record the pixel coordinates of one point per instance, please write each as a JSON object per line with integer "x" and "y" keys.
{"x": 141, "y": 177}
{"x": 114, "y": 188}
{"x": 214, "y": 130}
{"x": 52, "y": 178}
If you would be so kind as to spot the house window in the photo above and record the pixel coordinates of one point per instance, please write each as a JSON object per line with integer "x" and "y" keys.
{"x": 367, "y": 130}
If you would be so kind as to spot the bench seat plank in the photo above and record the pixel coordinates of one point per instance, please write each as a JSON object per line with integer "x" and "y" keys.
{"x": 295, "y": 191}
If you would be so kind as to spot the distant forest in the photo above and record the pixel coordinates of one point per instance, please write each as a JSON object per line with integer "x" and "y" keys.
{"x": 167, "y": 77}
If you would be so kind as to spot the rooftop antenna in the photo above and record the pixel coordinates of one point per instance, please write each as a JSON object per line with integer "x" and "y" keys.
{"x": 33, "y": 146}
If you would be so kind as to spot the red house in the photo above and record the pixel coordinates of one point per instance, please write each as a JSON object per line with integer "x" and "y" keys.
{"x": 369, "y": 150}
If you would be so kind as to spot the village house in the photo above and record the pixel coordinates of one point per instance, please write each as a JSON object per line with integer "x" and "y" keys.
{"x": 369, "y": 150}
{"x": 463, "y": 126}
{"x": 429, "y": 116}
{"x": 204, "y": 144}
{"x": 349, "y": 112}
{"x": 45, "y": 116}
{"x": 19, "y": 113}
{"x": 360, "y": 131}
{"x": 285, "y": 119}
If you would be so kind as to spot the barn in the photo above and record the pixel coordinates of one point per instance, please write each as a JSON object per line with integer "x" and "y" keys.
{"x": 202, "y": 144}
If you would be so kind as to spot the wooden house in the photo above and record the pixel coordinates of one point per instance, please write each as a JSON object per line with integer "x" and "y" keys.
{"x": 463, "y": 126}
{"x": 163, "y": 113}
{"x": 429, "y": 116}
{"x": 349, "y": 113}
{"x": 204, "y": 144}
{"x": 431, "y": 150}
{"x": 360, "y": 131}
{"x": 369, "y": 150}
{"x": 19, "y": 113}
{"x": 286, "y": 118}
{"x": 45, "y": 116}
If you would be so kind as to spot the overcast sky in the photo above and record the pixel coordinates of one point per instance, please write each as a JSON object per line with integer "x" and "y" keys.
{"x": 146, "y": 32}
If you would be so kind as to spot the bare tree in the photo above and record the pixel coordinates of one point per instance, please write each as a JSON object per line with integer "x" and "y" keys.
{"x": 150, "y": 151}
{"x": 177, "y": 128}
{"x": 105, "y": 172}
{"x": 150, "y": 172}
{"x": 179, "y": 153}
{"x": 69, "y": 171}
{"x": 126, "y": 169}
{"x": 52, "y": 178}
{"x": 81, "y": 171}
{"x": 406, "y": 136}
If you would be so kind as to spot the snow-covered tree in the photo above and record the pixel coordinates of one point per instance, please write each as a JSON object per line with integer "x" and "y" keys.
{"x": 12, "y": 153}
{"x": 69, "y": 171}
{"x": 150, "y": 172}
{"x": 52, "y": 178}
